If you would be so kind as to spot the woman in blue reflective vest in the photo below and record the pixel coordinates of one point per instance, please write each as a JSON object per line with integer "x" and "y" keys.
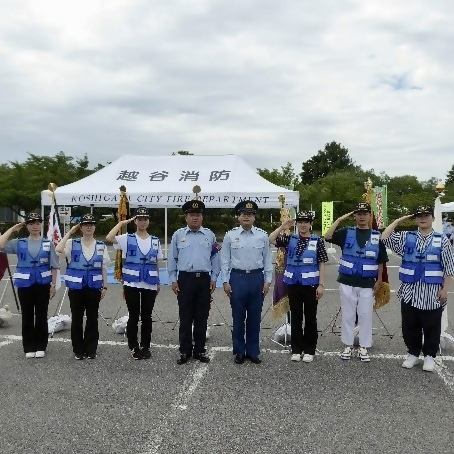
{"x": 35, "y": 279}
{"x": 86, "y": 279}
{"x": 141, "y": 253}
{"x": 304, "y": 276}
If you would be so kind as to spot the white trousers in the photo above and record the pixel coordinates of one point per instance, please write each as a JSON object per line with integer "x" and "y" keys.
{"x": 356, "y": 300}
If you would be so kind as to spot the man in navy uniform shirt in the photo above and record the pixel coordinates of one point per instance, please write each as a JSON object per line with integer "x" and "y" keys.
{"x": 246, "y": 255}
{"x": 193, "y": 266}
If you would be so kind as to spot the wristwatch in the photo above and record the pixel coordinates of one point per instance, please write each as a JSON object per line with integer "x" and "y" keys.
{"x": 104, "y": 288}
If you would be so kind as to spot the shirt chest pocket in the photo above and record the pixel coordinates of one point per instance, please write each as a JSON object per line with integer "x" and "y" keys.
{"x": 205, "y": 243}
{"x": 182, "y": 245}
{"x": 258, "y": 244}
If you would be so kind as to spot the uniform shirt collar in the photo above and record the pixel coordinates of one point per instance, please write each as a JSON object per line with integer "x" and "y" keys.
{"x": 252, "y": 230}
{"x": 187, "y": 230}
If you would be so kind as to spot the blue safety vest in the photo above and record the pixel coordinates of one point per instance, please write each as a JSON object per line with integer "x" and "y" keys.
{"x": 360, "y": 261}
{"x": 304, "y": 268}
{"x": 81, "y": 272}
{"x": 139, "y": 267}
{"x": 422, "y": 266}
{"x": 32, "y": 270}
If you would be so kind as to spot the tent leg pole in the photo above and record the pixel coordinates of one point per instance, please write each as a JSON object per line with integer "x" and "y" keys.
{"x": 165, "y": 232}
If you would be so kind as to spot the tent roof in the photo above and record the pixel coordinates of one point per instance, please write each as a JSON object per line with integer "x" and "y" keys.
{"x": 447, "y": 207}
{"x": 160, "y": 181}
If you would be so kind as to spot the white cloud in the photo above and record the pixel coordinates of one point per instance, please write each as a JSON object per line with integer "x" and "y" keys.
{"x": 271, "y": 81}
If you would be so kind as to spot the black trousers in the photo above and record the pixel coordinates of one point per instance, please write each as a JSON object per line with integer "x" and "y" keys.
{"x": 84, "y": 301}
{"x": 194, "y": 307}
{"x": 140, "y": 302}
{"x": 415, "y": 323}
{"x": 34, "y": 301}
{"x": 303, "y": 301}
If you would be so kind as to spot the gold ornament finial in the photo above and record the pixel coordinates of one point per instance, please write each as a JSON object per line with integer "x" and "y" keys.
{"x": 440, "y": 188}
{"x": 196, "y": 190}
{"x": 52, "y": 187}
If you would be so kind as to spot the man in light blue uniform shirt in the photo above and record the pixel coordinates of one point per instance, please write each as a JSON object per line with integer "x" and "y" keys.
{"x": 246, "y": 255}
{"x": 193, "y": 266}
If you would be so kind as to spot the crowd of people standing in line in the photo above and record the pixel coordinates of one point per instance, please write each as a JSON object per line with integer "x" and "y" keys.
{"x": 195, "y": 260}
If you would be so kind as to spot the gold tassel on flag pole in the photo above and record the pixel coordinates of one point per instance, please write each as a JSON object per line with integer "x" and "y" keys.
{"x": 122, "y": 216}
{"x": 383, "y": 294}
{"x": 281, "y": 305}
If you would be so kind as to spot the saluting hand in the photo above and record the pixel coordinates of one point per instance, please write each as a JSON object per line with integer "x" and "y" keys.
{"x": 74, "y": 229}
{"x": 266, "y": 288}
{"x": 403, "y": 218}
{"x": 17, "y": 227}
{"x": 346, "y": 216}
{"x": 175, "y": 288}
{"x": 287, "y": 224}
{"x": 127, "y": 221}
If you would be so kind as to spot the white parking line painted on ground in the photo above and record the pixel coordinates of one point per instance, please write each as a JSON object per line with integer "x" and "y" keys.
{"x": 7, "y": 342}
{"x": 445, "y": 375}
{"x": 180, "y": 404}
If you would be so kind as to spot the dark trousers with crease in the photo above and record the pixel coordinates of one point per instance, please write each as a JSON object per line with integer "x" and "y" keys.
{"x": 303, "y": 304}
{"x": 194, "y": 307}
{"x": 34, "y": 301}
{"x": 84, "y": 301}
{"x": 415, "y": 323}
{"x": 140, "y": 303}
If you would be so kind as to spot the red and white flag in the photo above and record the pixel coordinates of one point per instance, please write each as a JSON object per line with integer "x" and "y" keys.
{"x": 53, "y": 232}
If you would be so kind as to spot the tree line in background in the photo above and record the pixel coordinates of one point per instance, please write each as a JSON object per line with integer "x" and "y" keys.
{"x": 329, "y": 175}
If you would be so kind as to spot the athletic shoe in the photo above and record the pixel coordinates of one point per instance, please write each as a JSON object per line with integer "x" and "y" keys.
{"x": 347, "y": 353}
{"x": 308, "y": 358}
{"x": 92, "y": 356}
{"x": 429, "y": 364}
{"x": 146, "y": 354}
{"x": 40, "y": 354}
{"x": 364, "y": 355}
{"x": 410, "y": 361}
{"x": 30, "y": 355}
{"x": 295, "y": 357}
{"x": 79, "y": 357}
{"x": 136, "y": 353}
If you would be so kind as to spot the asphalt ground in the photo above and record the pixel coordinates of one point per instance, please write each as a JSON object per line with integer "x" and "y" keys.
{"x": 115, "y": 405}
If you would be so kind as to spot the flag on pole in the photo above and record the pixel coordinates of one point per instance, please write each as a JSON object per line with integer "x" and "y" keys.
{"x": 54, "y": 235}
{"x": 327, "y": 216}
{"x": 53, "y": 232}
{"x": 380, "y": 205}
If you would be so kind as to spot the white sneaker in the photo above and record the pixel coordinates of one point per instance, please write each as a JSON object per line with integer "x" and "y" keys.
{"x": 30, "y": 355}
{"x": 295, "y": 357}
{"x": 308, "y": 358}
{"x": 429, "y": 364}
{"x": 410, "y": 361}
{"x": 40, "y": 354}
{"x": 347, "y": 353}
{"x": 363, "y": 355}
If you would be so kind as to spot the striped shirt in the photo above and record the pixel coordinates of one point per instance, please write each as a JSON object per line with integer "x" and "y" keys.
{"x": 421, "y": 295}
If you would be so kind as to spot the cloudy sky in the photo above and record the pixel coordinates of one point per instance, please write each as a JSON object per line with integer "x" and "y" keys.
{"x": 270, "y": 80}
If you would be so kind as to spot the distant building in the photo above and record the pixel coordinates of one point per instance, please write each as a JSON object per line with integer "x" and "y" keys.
{"x": 8, "y": 215}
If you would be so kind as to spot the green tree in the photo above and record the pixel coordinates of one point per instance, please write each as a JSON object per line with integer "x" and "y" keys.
{"x": 286, "y": 177}
{"x": 450, "y": 176}
{"x": 332, "y": 158}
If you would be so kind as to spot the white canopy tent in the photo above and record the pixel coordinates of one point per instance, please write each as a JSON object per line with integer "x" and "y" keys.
{"x": 447, "y": 207}
{"x": 168, "y": 181}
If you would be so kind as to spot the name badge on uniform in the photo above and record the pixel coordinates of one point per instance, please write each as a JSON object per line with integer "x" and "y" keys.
{"x": 308, "y": 260}
{"x": 436, "y": 242}
{"x": 46, "y": 247}
{"x": 374, "y": 239}
{"x": 154, "y": 244}
{"x": 432, "y": 257}
{"x": 97, "y": 264}
{"x": 43, "y": 260}
{"x": 312, "y": 246}
{"x": 370, "y": 253}
{"x": 99, "y": 249}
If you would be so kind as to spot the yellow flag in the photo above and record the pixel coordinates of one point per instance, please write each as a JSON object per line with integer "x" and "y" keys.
{"x": 327, "y": 216}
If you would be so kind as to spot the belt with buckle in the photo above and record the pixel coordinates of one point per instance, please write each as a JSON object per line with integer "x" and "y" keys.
{"x": 257, "y": 270}
{"x": 195, "y": 273}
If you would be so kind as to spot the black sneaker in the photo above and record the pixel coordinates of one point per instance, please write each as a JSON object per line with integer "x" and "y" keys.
{"x": 202, "y": 357}
{"x": 91, "y": 356}
{"x": 79, "y": 357}
{"x": 136, "y": 353}
{"x": 146, "y": 354}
